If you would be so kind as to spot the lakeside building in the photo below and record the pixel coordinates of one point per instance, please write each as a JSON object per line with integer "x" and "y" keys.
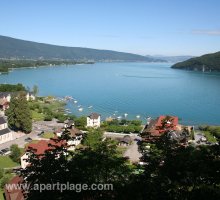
{"x": 5, "y": 98}
{"x": 5, "y": 132}
{"x": 163, "y": 124}
{"x": 94, "y": 120}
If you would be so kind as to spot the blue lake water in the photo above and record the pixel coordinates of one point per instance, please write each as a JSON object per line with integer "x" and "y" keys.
{"x": 145, "y": 89}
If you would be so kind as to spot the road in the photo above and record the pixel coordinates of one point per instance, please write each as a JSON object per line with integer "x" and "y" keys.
{"x": 37, "y": 128}
{"x": 133, "y": 153}
{"x": 132, "y": 150}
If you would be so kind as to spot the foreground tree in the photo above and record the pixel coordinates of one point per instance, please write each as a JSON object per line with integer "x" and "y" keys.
{"x": 19, "y": 114}
{"x": 177, "y": 172}
{"x": 99, "y": 164}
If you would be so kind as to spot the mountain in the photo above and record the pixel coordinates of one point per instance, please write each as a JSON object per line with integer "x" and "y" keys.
{"x": 208, "y": 62}
{"x": 11, "y": 48}
{"x": 171, "y": 59}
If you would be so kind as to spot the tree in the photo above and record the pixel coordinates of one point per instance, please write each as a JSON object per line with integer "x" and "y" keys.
{"x": 96, "y": 164}
{"x": 93, "y": 138}
{"x": 177, "y": 172}
{"x": 35, "y": 90}
{"x": 19, "y": 114}
{"x": 15, "y": 153}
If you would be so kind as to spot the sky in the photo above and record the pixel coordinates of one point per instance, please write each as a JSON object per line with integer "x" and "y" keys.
{"x": 146, "y": 27}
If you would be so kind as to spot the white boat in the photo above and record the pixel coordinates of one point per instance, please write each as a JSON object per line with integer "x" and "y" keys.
{"x": 90, "y": 106}
{"x": 119, "y": 117}
{"x": 80, "y": 109}
{"x": 75, "y": 101}
{"x": 138, "y": 116}
{"x": 79, "y": 106}
{"x": 126, "y": 114}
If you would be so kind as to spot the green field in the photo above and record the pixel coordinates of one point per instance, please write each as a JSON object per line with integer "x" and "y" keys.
{"x": 36, "y": 116}
{"x": 209, "y": 136}
{"x": 48, "y": 135}
{"x": 6, "y": 162}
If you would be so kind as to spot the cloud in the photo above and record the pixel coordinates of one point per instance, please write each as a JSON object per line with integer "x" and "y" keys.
{"x": 206, "y": 32}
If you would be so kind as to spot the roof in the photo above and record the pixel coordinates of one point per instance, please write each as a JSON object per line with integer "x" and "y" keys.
{"x": 154, "y": 124}
{"x": 75, "y": 132}
{"x": 174, "y": 120}
{"x": 70, "y": 123}
{"x": 4, "y": 131}
{"x": 126, "y": 139}
{"x": 14, "y": 193}
{"x": 2, "y": 120}
{"x": 44, "y": 145}
{"x": 94, "y": 116}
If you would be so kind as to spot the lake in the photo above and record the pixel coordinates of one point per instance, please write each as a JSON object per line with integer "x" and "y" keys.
{"x": 144, "y": 89}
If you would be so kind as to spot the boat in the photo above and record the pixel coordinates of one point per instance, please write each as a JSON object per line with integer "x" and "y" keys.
{"x": 90, "y": 106}
{"x": 138, "y": 116}
{"x": 119, "y": 117}
{"x": 126, "y": 114}
{"x": 80, "y": 109}
{"x": 75, "y": 101}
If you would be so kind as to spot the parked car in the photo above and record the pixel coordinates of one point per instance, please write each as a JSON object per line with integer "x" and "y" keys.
{"x": 41, "y": 133}
{"x": 5, "y": 151}
{"x": 28, "y": 139}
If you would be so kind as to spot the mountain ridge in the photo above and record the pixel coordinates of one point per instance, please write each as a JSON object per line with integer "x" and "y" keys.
{"x": 12, "y": 48}
{"x": 207, "y": 62}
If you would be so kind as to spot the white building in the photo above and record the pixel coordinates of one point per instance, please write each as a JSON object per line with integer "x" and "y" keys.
{"x": 5, "y": 132}
{"x": 94, "y": 120}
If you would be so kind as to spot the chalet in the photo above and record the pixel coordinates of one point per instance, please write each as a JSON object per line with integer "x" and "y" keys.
{"x": 94, "y": 120}
{"x": 75, "y": 134}
{"x": 159, "y": 126}
{"x": 5, "y": 132}
{"x": 39, "y": 149}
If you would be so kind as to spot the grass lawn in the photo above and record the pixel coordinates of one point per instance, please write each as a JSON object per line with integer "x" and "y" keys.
{"x": 209, "y": 136}
{"x": 121, "y": 149}
{"x": 37, "y": 116}
{"x": 48, "y": 135}
{"x": 6, "y": 162}
{"x": 1, "y": 194}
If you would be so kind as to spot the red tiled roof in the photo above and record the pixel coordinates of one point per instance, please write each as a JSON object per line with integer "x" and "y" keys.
{"x": 14, "y": 193}
{"x": 44, "y": 145}
{"x": 162, "y": 117}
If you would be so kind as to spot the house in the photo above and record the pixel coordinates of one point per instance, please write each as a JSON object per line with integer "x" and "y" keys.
{"x": 125, "y": 141}
{"x": 5, "y": 132}
{"x": 157, "y": 127}
{"x": 14, "y": 193}
{"x": 94, "y": 120}
{"x": 5, "y": 98}
{"x": 39, "y": 149}
{"x": 75, "y": 134}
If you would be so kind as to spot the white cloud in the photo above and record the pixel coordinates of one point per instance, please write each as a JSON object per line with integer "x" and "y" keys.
{"x": 206, "y": 32}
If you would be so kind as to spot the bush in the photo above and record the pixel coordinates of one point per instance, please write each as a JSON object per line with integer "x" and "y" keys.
{"x": 48, "y": 118}
{"x": 15, "y": 153}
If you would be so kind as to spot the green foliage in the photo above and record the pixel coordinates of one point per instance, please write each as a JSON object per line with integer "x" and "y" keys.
{"x": 4, "y": 180}
{"x": 213, "y": 130}
{"x": 6, "y": 162}
{"x": 208, "y": 61}
{"x": 12, "y": 88}
{"x": 19, "y": 114}
{"x": 15, "y": 153}
{"x": 181, "y": 172}
{"x": 93, "y": 138}
{"x": 100, "y": 164}
{"x": 80, "y": 122}
{"x": 1, "y": 173}
{"x": 122, "y": 126}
